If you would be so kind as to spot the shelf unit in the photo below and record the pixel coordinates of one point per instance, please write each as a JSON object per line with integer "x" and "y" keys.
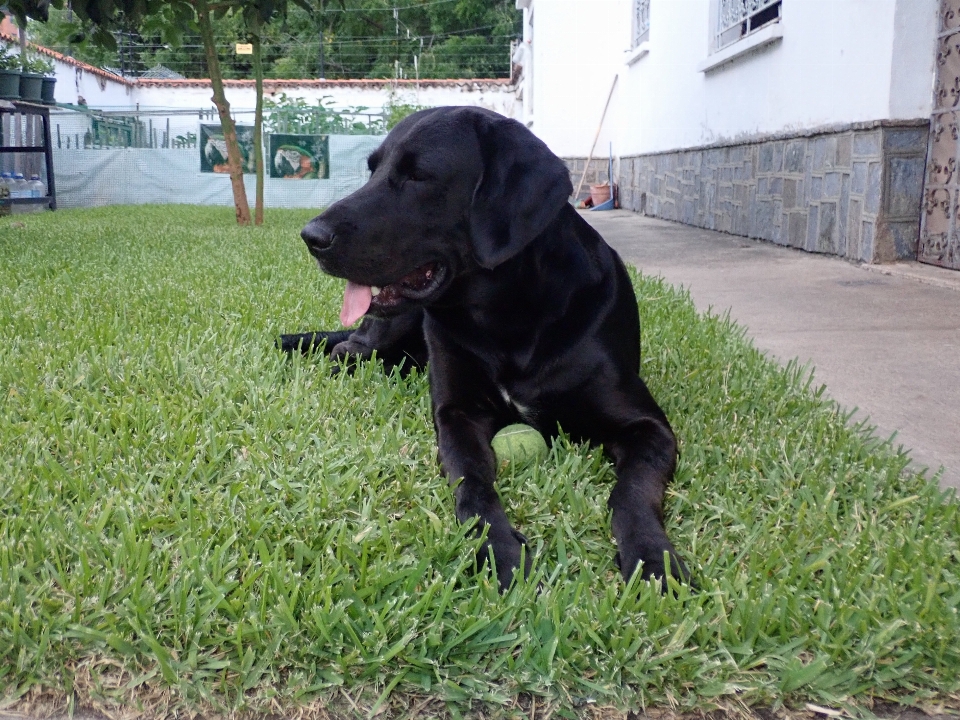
{"x": 13, "y": 111}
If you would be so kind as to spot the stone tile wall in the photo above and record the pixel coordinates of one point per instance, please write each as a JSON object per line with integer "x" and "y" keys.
{"x": 853, "y": 192}
{"x": 597, "y": 173}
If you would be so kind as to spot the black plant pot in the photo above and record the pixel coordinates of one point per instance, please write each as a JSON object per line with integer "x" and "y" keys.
{"x": 31, "y": 85}
{"x": 9, "y": 84}
{"x": 46, "y": 91}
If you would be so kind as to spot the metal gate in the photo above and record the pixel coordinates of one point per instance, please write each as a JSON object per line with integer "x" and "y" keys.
{"x": 939, "y": 229}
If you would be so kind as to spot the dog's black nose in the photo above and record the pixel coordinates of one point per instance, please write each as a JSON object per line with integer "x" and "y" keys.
{"x": 318, "y": 235}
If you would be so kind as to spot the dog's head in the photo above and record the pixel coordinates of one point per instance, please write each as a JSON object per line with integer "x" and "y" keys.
{"x": 453, "y": 190}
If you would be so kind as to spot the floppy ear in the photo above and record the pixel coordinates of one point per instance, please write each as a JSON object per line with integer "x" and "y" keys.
{"x": 523, "y": 188}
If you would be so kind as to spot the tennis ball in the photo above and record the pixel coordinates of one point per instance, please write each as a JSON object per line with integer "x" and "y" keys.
{"x": 518, "y": 445}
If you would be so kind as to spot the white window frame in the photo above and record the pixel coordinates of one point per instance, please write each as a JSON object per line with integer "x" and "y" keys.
{"x": 639, "y": 31}
{"x": 738, "y": 19}
{"x": 739, "y": 27}
{"x": 641, "y": 23}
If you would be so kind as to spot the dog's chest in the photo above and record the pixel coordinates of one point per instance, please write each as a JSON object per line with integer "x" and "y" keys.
{"x": 526, "y": 410}
{"x": 515, "y": 363}
{"x": 510, "y": 371}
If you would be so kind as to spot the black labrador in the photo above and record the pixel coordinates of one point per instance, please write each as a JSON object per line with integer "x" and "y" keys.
{"x": 463, "y": 249}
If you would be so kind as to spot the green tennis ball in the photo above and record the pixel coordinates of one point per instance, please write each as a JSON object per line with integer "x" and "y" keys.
{"x": 518, "y": 445}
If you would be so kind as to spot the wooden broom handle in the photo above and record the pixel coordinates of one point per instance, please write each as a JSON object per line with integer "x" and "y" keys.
{"x": 595, "y": 138}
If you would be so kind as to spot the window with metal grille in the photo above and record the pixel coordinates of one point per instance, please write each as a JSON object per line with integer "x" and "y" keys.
{"x": 641, "y": 21}
{"x": 739, "y": 18}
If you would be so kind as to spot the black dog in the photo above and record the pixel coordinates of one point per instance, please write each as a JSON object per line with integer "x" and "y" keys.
{"x": 464, "y": 238}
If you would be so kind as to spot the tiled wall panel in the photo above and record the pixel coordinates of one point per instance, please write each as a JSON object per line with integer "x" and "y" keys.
{"x": 853, "y": 192}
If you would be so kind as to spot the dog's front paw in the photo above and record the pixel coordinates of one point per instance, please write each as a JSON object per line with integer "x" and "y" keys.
{"x": 299, "y": 342}
{"x": 310, "y": 342}
{"x": 650, "y": 562}
{"x": 348, "y": 354}
{"x": 509, "y": 550}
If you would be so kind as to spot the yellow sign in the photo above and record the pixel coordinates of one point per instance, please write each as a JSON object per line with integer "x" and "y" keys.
{"x": 244, "y": 48}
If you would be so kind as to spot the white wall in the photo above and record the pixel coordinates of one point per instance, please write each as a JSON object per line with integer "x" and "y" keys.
{"x": 96, "y": 90}
{"x": 915, "y": 26}
{"x": 77, "y": 80}
{"x": 577, "y": 50}
{"x": 493, "y": 95}
{"x": 149, "y": 99}
{"x": 839, "y": 61}
{"x": 152, "y": 101}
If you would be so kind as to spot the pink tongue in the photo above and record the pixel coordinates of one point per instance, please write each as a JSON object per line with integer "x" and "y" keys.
{"x": 356, "y": 301}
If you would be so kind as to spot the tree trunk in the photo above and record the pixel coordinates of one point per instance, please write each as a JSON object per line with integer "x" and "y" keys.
{"x": 234, "y": 159}
{"x": 258, "y": 123}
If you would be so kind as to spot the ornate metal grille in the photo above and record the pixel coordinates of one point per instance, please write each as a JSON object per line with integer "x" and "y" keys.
{"x": 641, "y": 21}
{"x": 939, "y": 227}
{"x": 741, "y": 17}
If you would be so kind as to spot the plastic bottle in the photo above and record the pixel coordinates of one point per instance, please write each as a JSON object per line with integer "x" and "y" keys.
{"x": 18, "y": 188}
{"x": 37, "y": 188}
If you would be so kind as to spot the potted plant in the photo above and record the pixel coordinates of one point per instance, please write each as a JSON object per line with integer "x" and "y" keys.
{"x": 48, "y": 83}
{"x": 9, "y": 74}
{"x": 31, "y": 78}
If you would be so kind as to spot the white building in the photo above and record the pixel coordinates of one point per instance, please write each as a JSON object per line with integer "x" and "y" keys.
{"x": 803, "y": 122}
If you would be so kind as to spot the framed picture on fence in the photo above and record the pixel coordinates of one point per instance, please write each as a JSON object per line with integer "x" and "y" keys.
{"x": 213, "y": 149}
{"x": 299, "y": 157}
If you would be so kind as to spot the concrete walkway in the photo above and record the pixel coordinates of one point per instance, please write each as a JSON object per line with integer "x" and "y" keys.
{"x": 884, "y": 339}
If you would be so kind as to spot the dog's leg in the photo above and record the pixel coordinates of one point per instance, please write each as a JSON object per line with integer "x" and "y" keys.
{"x": 644, "y": 457}
{"x": 637, "y": 437}
{"x": 465, "y": 454}
{"x": 467, "y": 412}
{"x": 310, "y": 342}
{"x": 398, "y": 341}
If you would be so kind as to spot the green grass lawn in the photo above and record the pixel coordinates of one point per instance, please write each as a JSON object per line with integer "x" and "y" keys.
{"x": 191, "y": 521}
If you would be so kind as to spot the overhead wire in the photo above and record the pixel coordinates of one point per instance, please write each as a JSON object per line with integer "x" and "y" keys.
{"x": 348, "y": 50}
{"x": 389, "y": 8}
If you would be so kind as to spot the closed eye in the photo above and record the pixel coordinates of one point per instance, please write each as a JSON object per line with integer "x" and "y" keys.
{"x": 408, "y": 169}
{"x": 372, "y": 161}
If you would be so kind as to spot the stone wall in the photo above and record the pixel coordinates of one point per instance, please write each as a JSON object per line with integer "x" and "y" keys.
{"x": 597, "y": 173}
{"x": 852, "y": 191}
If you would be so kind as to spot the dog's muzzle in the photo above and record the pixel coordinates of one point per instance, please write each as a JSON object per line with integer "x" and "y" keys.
{"x": 318, "y": 235}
